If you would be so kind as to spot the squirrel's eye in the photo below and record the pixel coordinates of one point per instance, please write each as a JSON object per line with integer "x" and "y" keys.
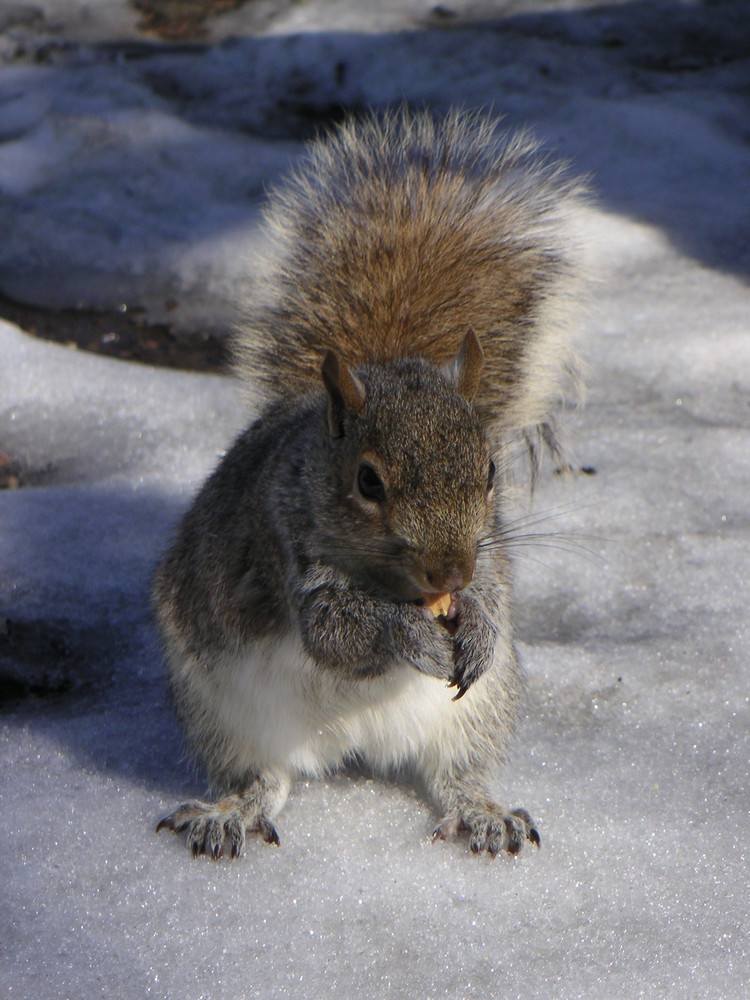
{"x": 491, "y": 476}
{"x": 369, "y": 483}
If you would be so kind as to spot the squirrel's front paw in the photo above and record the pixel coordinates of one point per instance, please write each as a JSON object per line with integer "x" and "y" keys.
{"x": 474, "y": 646}
{"x": 424, "y": 644}
{"x": 490, "y": 829}
{"x": 210, "y": 824}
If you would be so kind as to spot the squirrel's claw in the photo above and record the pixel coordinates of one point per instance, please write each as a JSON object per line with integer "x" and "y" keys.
{"x": 462, "y": 684}
{"x": 267, "y": 831}
{"x": 464, "y": 675}
{"x": 179, "y": 820}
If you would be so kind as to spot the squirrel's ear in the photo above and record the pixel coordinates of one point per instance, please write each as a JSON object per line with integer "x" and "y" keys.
{"x": 346, "y": 394}
{"x": 468, "y": 366}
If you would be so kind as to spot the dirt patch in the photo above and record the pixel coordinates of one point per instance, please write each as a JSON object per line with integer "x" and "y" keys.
{"x": 180, "y": 20}
{"x": 14, "y": 474}
{"x": 50, "y": 658}
{"x": 125, "y": 335}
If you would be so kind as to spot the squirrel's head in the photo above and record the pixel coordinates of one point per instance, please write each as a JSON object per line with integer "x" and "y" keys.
{"x": 412, "y": 476}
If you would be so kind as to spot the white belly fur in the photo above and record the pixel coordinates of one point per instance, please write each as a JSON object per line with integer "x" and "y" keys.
{"x": 272, "y": 708}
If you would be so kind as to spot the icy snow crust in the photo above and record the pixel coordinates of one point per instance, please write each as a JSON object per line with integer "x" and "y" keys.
{"x": 633, "y": 757}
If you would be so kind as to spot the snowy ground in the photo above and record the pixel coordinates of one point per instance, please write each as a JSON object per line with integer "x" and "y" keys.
{"x": 131, "y": 172}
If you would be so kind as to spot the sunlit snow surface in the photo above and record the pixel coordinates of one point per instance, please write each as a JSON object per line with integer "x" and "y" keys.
{"x": 137, "y": 177}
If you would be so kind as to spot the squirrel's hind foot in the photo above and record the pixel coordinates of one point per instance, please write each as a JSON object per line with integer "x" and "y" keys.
{"x": 490, "y": 829}
{"x": 210, "y": 824}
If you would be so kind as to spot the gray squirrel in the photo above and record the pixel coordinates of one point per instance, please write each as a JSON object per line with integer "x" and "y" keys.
{"x": 339, "y": 588}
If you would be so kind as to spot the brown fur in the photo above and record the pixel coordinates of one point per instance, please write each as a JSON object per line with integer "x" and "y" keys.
{"x": 397, "y": 236}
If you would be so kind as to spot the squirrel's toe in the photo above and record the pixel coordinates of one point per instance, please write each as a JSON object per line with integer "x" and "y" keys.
{"x": 491, "y": 829}
{"x": 210, "y": 825}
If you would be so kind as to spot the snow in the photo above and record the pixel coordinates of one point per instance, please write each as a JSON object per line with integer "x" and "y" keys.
{"x": 133, "y": 172}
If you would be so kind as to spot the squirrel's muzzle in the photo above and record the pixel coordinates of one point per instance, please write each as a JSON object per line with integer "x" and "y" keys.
{"x": 451, "y": 578}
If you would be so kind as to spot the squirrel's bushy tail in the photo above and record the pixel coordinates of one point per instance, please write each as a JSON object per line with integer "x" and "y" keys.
{"x": 398, "y": 234}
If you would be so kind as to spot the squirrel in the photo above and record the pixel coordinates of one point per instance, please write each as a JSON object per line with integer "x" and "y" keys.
{"x": 339, "y": 589}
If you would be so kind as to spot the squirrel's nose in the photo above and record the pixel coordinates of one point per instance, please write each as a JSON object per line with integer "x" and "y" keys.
{"x": 453, "y": 578}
